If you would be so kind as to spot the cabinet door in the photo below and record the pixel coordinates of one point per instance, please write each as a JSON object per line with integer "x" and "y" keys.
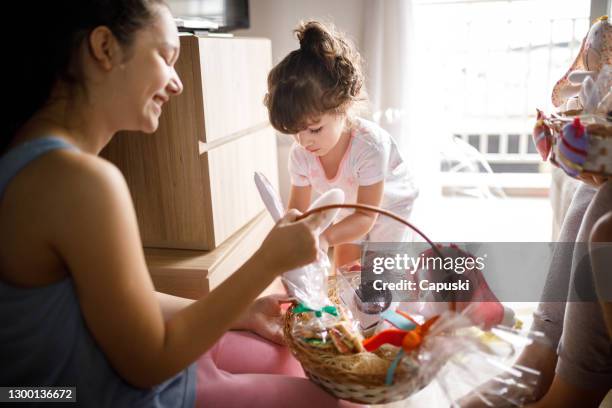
{"x": 235, "y": 199}
{"x": 238, "y": 139}
{"x": 234, "y": 83}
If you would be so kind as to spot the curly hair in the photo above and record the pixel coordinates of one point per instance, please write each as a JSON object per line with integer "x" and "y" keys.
{"x": 324, "y": 75}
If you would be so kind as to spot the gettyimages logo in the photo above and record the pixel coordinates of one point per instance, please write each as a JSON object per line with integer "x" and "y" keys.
{"x": 489, "y": 271}
{"x": 455, "y": 261}
{"x": 437, "y": 275}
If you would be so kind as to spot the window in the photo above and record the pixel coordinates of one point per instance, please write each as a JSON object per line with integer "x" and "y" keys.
{"x": 484, "y": 66}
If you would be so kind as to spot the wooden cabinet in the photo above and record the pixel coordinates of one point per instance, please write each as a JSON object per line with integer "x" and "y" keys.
{"x": 192, "y": 180}
{"x": 192, "y": 274}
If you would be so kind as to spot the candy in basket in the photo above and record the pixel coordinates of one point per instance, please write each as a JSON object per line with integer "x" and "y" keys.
{"x": 393, "y": 353}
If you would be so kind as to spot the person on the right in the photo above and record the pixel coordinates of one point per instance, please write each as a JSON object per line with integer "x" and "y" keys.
{"x": 583, "y": 371}
{"x": 576, "y": 366}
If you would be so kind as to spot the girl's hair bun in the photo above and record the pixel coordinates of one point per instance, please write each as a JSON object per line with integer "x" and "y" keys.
{"x": 334, "y": 51}
{"x": 316, "y": 39}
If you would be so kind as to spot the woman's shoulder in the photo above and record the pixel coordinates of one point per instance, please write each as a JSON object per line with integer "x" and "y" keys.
{"x": 47, "y": 201}
{"x": 73, "y": 170}
{"x": 64, "y": 180}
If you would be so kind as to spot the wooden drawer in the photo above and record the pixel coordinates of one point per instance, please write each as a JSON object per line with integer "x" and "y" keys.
{"x": 192, "y": 274}
{"x": 192, "y": 180}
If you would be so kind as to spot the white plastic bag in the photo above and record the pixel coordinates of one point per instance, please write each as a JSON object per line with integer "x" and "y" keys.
{"x": 307, "y": 284}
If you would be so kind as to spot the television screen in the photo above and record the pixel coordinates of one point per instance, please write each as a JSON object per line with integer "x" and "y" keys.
{"x": 227, "y": 14}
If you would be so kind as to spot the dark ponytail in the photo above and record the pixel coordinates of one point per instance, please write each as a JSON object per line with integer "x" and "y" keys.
{"x": 43, "y": 39}
{"x": 323, "y": 75}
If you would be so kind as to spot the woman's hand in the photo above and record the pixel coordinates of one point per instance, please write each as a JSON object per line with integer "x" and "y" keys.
{"x": 291, "y": 244}
{"x": 265, "y": 318}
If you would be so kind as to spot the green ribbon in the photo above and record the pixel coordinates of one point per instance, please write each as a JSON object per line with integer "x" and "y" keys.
{"x": 301, "y": 308}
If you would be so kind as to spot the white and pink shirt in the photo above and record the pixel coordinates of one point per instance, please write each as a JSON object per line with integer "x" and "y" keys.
{"x": 372, "y": 156}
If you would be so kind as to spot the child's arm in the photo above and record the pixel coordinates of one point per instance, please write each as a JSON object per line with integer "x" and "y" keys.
{"x": 360, "y": 222}
{"x": 96, "y": 234}
{"x": 299, "y": 197}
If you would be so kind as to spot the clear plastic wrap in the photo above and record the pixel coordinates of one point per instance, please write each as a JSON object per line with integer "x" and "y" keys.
{"x": 479, "y": 362}
{"x": 332, "y": 329}
{"x": 309, "y": 284}
{"x": 366, "y": 308}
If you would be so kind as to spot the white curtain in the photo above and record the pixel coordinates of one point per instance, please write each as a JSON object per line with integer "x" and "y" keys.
{"x": 389, "y": 49}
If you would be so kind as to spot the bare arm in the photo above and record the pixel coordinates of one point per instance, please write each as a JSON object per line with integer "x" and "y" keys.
{"x": 360, "y": 222}
{"x": 100, "y": 243}
{"x": 299, "y": 198}
{"x": 170, "y": 304}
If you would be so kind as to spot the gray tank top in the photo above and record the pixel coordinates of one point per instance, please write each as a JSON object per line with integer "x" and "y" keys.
{"x": 44, "y": 340}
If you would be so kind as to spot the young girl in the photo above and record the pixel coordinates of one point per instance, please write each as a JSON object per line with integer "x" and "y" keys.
{"x": 312, "y": 94}
{"x": 77, "y": 304}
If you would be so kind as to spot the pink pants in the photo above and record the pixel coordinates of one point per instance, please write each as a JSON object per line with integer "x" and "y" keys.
{"x": 243, "y": 369}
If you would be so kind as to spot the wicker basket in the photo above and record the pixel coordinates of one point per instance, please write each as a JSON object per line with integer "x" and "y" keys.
{"x": 339, "y": 374}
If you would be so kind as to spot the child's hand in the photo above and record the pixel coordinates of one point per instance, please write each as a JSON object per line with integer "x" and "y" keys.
{"x": 291, "y": 244}
{"x": 265, "y": 318}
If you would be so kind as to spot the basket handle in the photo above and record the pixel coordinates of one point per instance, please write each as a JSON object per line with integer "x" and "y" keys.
{"x": 371, "y": 208}
{"x": 378, "y": 210}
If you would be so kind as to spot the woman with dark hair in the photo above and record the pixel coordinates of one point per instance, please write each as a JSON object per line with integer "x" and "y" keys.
{"x": 77, "y": 304}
